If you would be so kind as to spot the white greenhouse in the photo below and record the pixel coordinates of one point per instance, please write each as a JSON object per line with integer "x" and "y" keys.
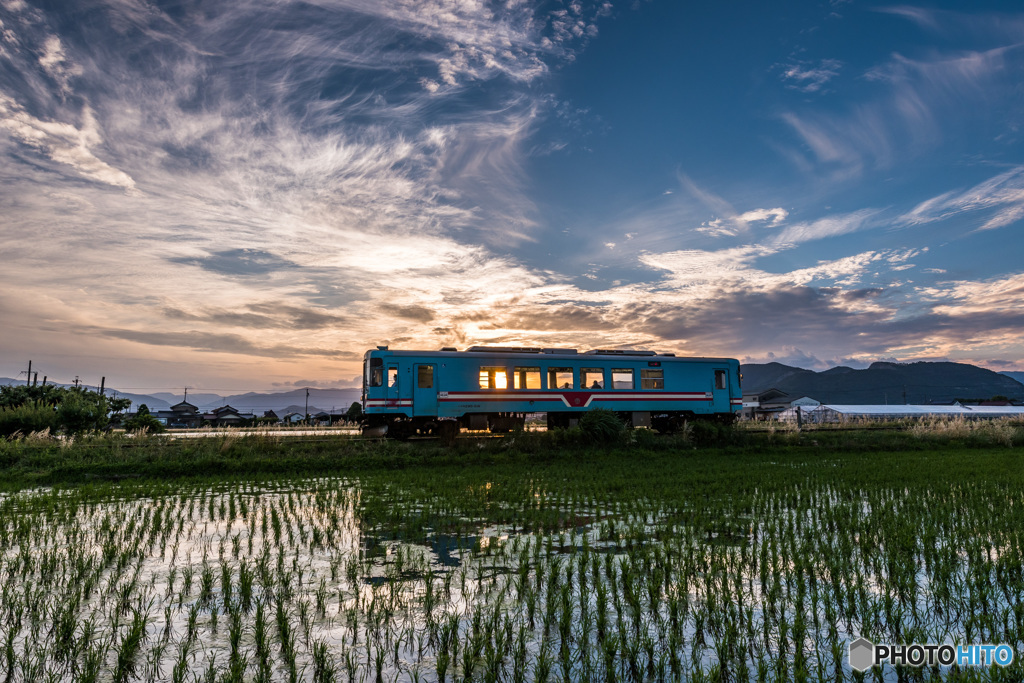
{"x": 842, "y": 413}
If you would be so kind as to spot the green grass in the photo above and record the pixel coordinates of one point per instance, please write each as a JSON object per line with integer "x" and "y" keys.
{"x": 46, "y": 461}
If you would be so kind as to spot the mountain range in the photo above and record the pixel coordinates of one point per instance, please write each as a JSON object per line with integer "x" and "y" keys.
{"x": 294, "y": 401}
{"x": 884, "y": 383}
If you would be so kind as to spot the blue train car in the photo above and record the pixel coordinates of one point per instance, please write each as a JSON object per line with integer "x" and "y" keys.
{"x": 494, "y": 388}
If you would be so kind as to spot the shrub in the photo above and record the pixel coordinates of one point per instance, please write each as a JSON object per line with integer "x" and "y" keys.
{"x": 710, "y": 433}
{"x": 602, "y": 427}
{"x": 26, "y": 419}
{"x": 143, "y": 421}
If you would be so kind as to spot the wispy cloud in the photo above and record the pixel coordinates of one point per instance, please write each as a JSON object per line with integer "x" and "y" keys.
{"x": 771, "y": 217}
{"x": 918, "y": 102}
{"x": 282, "y": 175}
{"x": 999, "y": 201}
{"x": 810, "y": 77}
{"x": 728, "y": 222}
{"x": 64, "y": 143}
{"x": 829, "y": 226}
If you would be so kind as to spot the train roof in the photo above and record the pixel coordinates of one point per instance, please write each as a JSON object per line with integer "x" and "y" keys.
{"x": 544, "y": 353}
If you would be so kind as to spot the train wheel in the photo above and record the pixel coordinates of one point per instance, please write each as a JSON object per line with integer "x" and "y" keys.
{"x": 669, "y": 425}
{"x": 400, "y": 430}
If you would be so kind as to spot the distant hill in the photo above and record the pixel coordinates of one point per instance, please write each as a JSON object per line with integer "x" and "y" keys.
{"x": 1019, "y": 376}
{"x": 319, "y": 400}
{"x": 882, "y": 383}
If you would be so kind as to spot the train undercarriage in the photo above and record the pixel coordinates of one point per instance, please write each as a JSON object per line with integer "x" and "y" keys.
{"x": 403, "y": 427}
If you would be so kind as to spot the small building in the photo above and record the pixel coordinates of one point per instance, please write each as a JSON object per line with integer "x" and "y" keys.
{"x": 765, "y": 404}
{"x": 293, "y": 418}
{"x": 180, "y": 415}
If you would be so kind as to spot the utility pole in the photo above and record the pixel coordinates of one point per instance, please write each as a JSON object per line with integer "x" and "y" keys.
{"x": 76, "y": 381}
{"x": 44, "y": 380}
{"x": 35, "y": 379}
{"x": 103, "y": 385}
{"x": 306, "y": 417}
{"x": 28, "y": 378}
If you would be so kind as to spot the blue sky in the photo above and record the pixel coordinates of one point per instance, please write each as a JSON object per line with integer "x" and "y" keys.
{"x": 248, "y": 194}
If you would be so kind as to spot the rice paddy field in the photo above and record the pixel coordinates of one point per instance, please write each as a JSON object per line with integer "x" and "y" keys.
{"x": 757, "y": 560}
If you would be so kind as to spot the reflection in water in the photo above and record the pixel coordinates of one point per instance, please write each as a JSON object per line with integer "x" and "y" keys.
{"x": 299, "y": 579}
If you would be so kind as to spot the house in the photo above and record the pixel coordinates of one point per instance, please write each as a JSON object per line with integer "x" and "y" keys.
{"x": 226, "y": 416}
{"x": 180, "y": 415}
{"x": 326, "y": 418}
{"x": 293, "y": 418}
{"x": 763, "y": 405}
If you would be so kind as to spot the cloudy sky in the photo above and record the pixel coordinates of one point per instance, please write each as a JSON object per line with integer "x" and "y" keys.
{"x": 247, "y": 194}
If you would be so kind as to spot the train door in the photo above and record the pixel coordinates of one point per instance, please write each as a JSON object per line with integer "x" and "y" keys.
{"x": 392, "y": 380}
{"x": 720, "y": 398}
{"x": 424, "y": 393}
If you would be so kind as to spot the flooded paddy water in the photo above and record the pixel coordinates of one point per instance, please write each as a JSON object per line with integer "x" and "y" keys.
{"x": 574, "y": 572}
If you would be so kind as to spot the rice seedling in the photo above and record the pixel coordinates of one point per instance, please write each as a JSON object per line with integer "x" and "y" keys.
{"x": 741, "y": 567}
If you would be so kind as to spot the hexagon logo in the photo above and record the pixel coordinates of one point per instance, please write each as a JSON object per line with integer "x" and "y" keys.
{"x": 862, "y": 654}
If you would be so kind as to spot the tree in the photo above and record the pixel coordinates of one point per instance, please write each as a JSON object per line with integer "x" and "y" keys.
{"x": 143, "y": 421}
{"x": 72, "y": 410}
{"x": 355, "y": 412}
{"x": 82, "y": 411}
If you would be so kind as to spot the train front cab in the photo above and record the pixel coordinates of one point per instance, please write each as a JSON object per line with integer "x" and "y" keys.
{"x": 400, "y": 395}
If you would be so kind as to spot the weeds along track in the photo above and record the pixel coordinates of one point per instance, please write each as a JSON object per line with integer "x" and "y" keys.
{"x": 685, "y": 568}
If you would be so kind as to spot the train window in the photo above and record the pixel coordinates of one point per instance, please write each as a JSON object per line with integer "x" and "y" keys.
{"x": 493, "y": 378}
{"x": 652, "y": 378}
{"x": 559, "y": 378}
{"x": 592, "y": 378}
{"x": 392, "y": 376}
{"x": 375, "y": 372}
{"x": 526, "y": 378}
{"x": 720, "y": 379}
{"x": 425, "y": 376}
{"x": 622, "y": 378}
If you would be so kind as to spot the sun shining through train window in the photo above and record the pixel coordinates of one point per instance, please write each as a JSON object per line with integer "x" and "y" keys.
{"x": 560, "y": 378}
{"x": 493, "y": 378}
{"x": 526, "y": 378}
{"x": 591, "y": 378}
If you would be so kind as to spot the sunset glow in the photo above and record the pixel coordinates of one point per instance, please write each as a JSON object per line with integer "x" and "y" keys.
{"x": 249, "y": 194}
